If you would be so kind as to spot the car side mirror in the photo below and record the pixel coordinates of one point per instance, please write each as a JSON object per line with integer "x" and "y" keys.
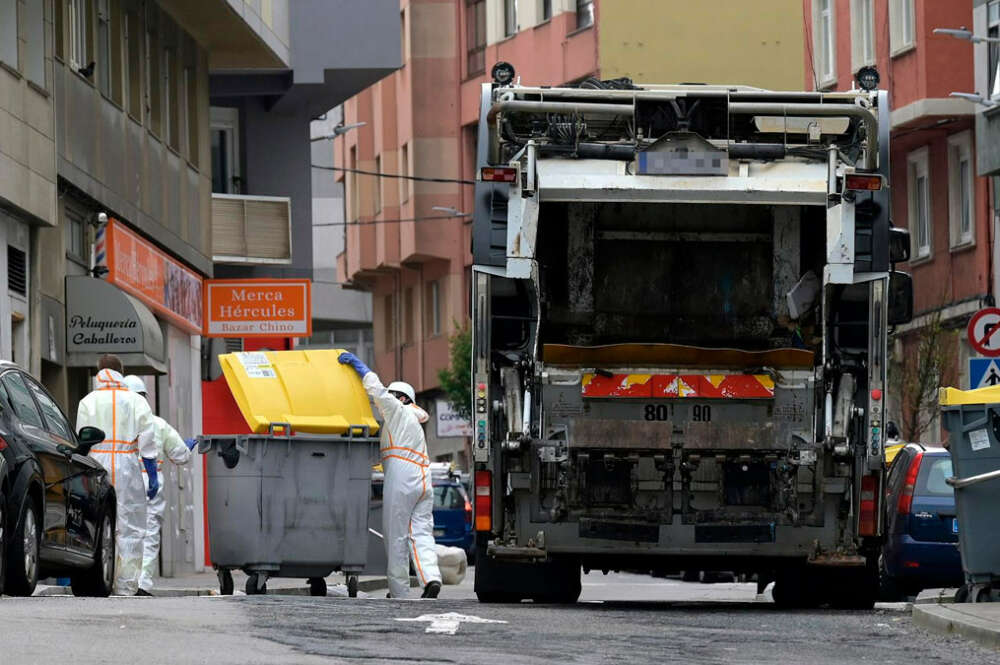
{"x": 899, "y": 245}
{"x": 900, "y": 298}
{"x": 88, "y": 438}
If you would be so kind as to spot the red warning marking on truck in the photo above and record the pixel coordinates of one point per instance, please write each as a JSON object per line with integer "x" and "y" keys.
{"x": 667, "y": 386}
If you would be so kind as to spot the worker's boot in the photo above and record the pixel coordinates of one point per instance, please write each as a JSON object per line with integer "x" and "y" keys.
{"x": 143, "y": 592}
{"x": 431, "y": 590}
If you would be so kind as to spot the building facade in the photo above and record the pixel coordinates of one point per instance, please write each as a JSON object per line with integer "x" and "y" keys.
{"x": 986, "y": 61}
{"x": 407, "y": 241}
{"x": 936, "y": 193}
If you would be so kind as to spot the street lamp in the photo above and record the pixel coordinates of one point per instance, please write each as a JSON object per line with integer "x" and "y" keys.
{"x": 339, "y": 130}
{"x": 975, "y": 99}
{"x": 451, "y": 210}
{"x": 966, "y": 34}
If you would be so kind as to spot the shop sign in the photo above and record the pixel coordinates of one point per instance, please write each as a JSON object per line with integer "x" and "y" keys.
{"x": 258, "y": 308}
{"x": 146, "y": 272}
{"x": 449, "y": 422}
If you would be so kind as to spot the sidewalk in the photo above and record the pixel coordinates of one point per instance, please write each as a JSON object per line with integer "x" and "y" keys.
{"x": 979, "y": 622}
{"x": 207, "y": 584}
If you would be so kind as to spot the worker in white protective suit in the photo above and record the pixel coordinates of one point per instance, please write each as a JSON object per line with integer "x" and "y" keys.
{"x": 408, "y": 497}
{"x": 128, "y": 446}
{"x": 169, "y": 445}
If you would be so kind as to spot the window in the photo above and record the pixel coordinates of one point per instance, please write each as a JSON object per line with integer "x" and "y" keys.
{"x": 225, "y": 131}
{"x": 408, "y": 316}
{"x": 153, "y": 81}
{"x": 509, "y": 17}
{"x": 902, "y": 26}
{"x": 933, "y": 477}
{"x": 404, "y": 169}
{"x": 546, "y": 10}
{"x": 104, "y": 47}
{"x": 448, "y": 497}
{"x": 191, "y": 104}
{"x": 993, "y": 31}
{"x": 34, "y": 41}
{"x": 133, "y": 74}
{"x": 826, "y": 51}
{"x": 21, "y": 400}
{"x": 404, "y": 42}
{"x": 8, "y": 32}
{"x": 171, "y": 100}
{"x": 862, "y": 33}
{"x": 60, "y": 27}
{"x": 433, "y": 306}
{"x": 377, "y": 189}
{"x": 75, "y": 236}
{"x": 353, "y": 187}
{"x": 55, "y": 421}
{"x": 475, "y": 37}
{"x": 961, "y": 189}
{"x": 79, "y": 56}
{"x": 584, "y": 13}
{"x": 388, "y": 321}
{"x": 919, "y": 201}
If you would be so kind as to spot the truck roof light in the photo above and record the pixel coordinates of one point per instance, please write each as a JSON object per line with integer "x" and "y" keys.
{"x": 498, "y": 174}
{"x": 868, "y": 182}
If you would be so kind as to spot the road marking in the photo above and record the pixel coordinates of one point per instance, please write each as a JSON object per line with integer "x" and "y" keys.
{"x": 448, "y": 623}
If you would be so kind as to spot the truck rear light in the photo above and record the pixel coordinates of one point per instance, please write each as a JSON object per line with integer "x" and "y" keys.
{"x": 868, "y": 512}
{"x": 484, "y": 501}
{"x": 867, "y": 182}
{"x": 911, "y": 564}
{"x": 906, "y": 496}
{"x": 498, "y": 174}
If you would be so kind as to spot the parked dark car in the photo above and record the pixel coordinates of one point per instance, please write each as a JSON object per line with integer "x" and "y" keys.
{"x": 58, "y": 504}
{"x": 921, "y": 549}
{"x": 452, "y": 511}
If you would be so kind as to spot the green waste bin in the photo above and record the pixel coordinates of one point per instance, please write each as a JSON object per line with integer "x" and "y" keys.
{"x": 972, "y": 418}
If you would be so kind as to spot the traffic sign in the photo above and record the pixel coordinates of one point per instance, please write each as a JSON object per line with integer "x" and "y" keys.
{"x": 984, "y": 327}
{"x": 983, "y": 373}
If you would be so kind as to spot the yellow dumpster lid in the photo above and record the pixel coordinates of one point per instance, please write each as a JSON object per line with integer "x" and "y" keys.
{"x": 954, "y": 396}
{"x": 310, "y": 390}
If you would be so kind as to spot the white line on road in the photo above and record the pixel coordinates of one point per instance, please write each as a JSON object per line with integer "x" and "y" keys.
{"x": 447, "y": 624}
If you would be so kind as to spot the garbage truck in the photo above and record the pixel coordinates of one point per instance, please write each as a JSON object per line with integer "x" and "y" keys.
{"x": 681, "y": 296}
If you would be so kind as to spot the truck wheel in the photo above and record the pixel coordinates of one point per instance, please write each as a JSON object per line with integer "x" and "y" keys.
{"x": 225, "y": 582}
{"x": 497, "y": 597}
{"x": 795, "y": 590}
{"x": 317, "y": 586}
{"x": 889, "y": 589}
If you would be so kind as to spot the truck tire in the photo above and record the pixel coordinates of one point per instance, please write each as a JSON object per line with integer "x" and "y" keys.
{"x": 552, "y": 581}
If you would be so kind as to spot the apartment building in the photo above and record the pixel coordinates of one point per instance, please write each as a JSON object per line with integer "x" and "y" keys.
{"x": 936, "y": 193}
{"x": 407, "y": 240}
{"x": 986, "y": 61}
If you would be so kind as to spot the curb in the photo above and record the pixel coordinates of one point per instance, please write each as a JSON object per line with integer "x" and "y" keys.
{"x": 935, "y": 596}
{"x": 952, "y": 620}
{"x": 366, "y": 585}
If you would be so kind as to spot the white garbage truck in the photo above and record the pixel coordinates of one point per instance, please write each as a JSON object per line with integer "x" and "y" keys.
{"x": 681, "y": 296}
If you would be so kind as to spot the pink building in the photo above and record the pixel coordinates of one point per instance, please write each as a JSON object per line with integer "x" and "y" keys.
{"x": 422, "y": 120}
{"x": 936, "y": 193}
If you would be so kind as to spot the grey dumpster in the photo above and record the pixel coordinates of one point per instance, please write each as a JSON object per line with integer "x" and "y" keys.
{"x": 288, "y": 506}
{"x": 974, "y": 443}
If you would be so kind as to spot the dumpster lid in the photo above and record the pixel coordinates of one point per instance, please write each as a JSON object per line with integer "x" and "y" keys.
{"x": 955, "y": 397}
{"x": 309, "y": 390}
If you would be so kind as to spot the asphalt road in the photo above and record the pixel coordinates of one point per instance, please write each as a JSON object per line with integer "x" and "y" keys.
{"x": 622, "y": 619}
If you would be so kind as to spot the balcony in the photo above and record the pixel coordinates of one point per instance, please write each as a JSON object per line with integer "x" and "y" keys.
{"x": 251, "y": 229}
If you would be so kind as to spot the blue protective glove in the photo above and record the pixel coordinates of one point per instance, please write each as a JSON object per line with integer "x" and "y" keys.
{"x": 154, "y": 479}
{"x": 348, "y": 358}
{"x": 191, "y": 443}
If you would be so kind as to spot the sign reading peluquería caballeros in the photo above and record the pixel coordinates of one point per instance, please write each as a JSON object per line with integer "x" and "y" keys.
{"x": 84, "y": 330}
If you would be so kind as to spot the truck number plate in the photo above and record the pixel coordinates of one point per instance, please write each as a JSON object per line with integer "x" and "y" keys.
{"x": 700, "y": 413}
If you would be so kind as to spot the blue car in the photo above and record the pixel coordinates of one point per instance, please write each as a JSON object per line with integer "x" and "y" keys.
{"x": 452, "y": 511}
{"x": 921, "y": 549}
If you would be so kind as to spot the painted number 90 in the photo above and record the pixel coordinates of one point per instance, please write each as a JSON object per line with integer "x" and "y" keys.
{"x": 701, "y": 413}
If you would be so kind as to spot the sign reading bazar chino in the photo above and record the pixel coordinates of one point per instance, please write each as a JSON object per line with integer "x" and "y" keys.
{"x": 258, "y": 308}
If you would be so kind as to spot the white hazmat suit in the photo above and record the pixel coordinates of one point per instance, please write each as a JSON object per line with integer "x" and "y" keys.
{"x": 408, "y": 497}
{"x": 128, "y": 427}
{"x": 169, "y": 445}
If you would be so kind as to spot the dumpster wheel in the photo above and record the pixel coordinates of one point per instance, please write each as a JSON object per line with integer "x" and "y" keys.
{"x": 225, "y": 582}
{"x": 256, "y": 584}
{"x": 317, "y": 586}
{"x": 352, "y": 586}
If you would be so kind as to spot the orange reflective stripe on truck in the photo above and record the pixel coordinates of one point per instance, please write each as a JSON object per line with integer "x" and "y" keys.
{"x": 667, "y": 386}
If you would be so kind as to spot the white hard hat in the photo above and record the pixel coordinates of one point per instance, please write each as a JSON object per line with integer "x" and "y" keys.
{"x": 135, "y": 384}
{"x": 403, "y": 387}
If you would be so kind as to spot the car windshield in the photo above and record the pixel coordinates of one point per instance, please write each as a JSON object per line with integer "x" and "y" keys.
{"x": 448, "y": 497}
{"x": 933, "y": 473}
